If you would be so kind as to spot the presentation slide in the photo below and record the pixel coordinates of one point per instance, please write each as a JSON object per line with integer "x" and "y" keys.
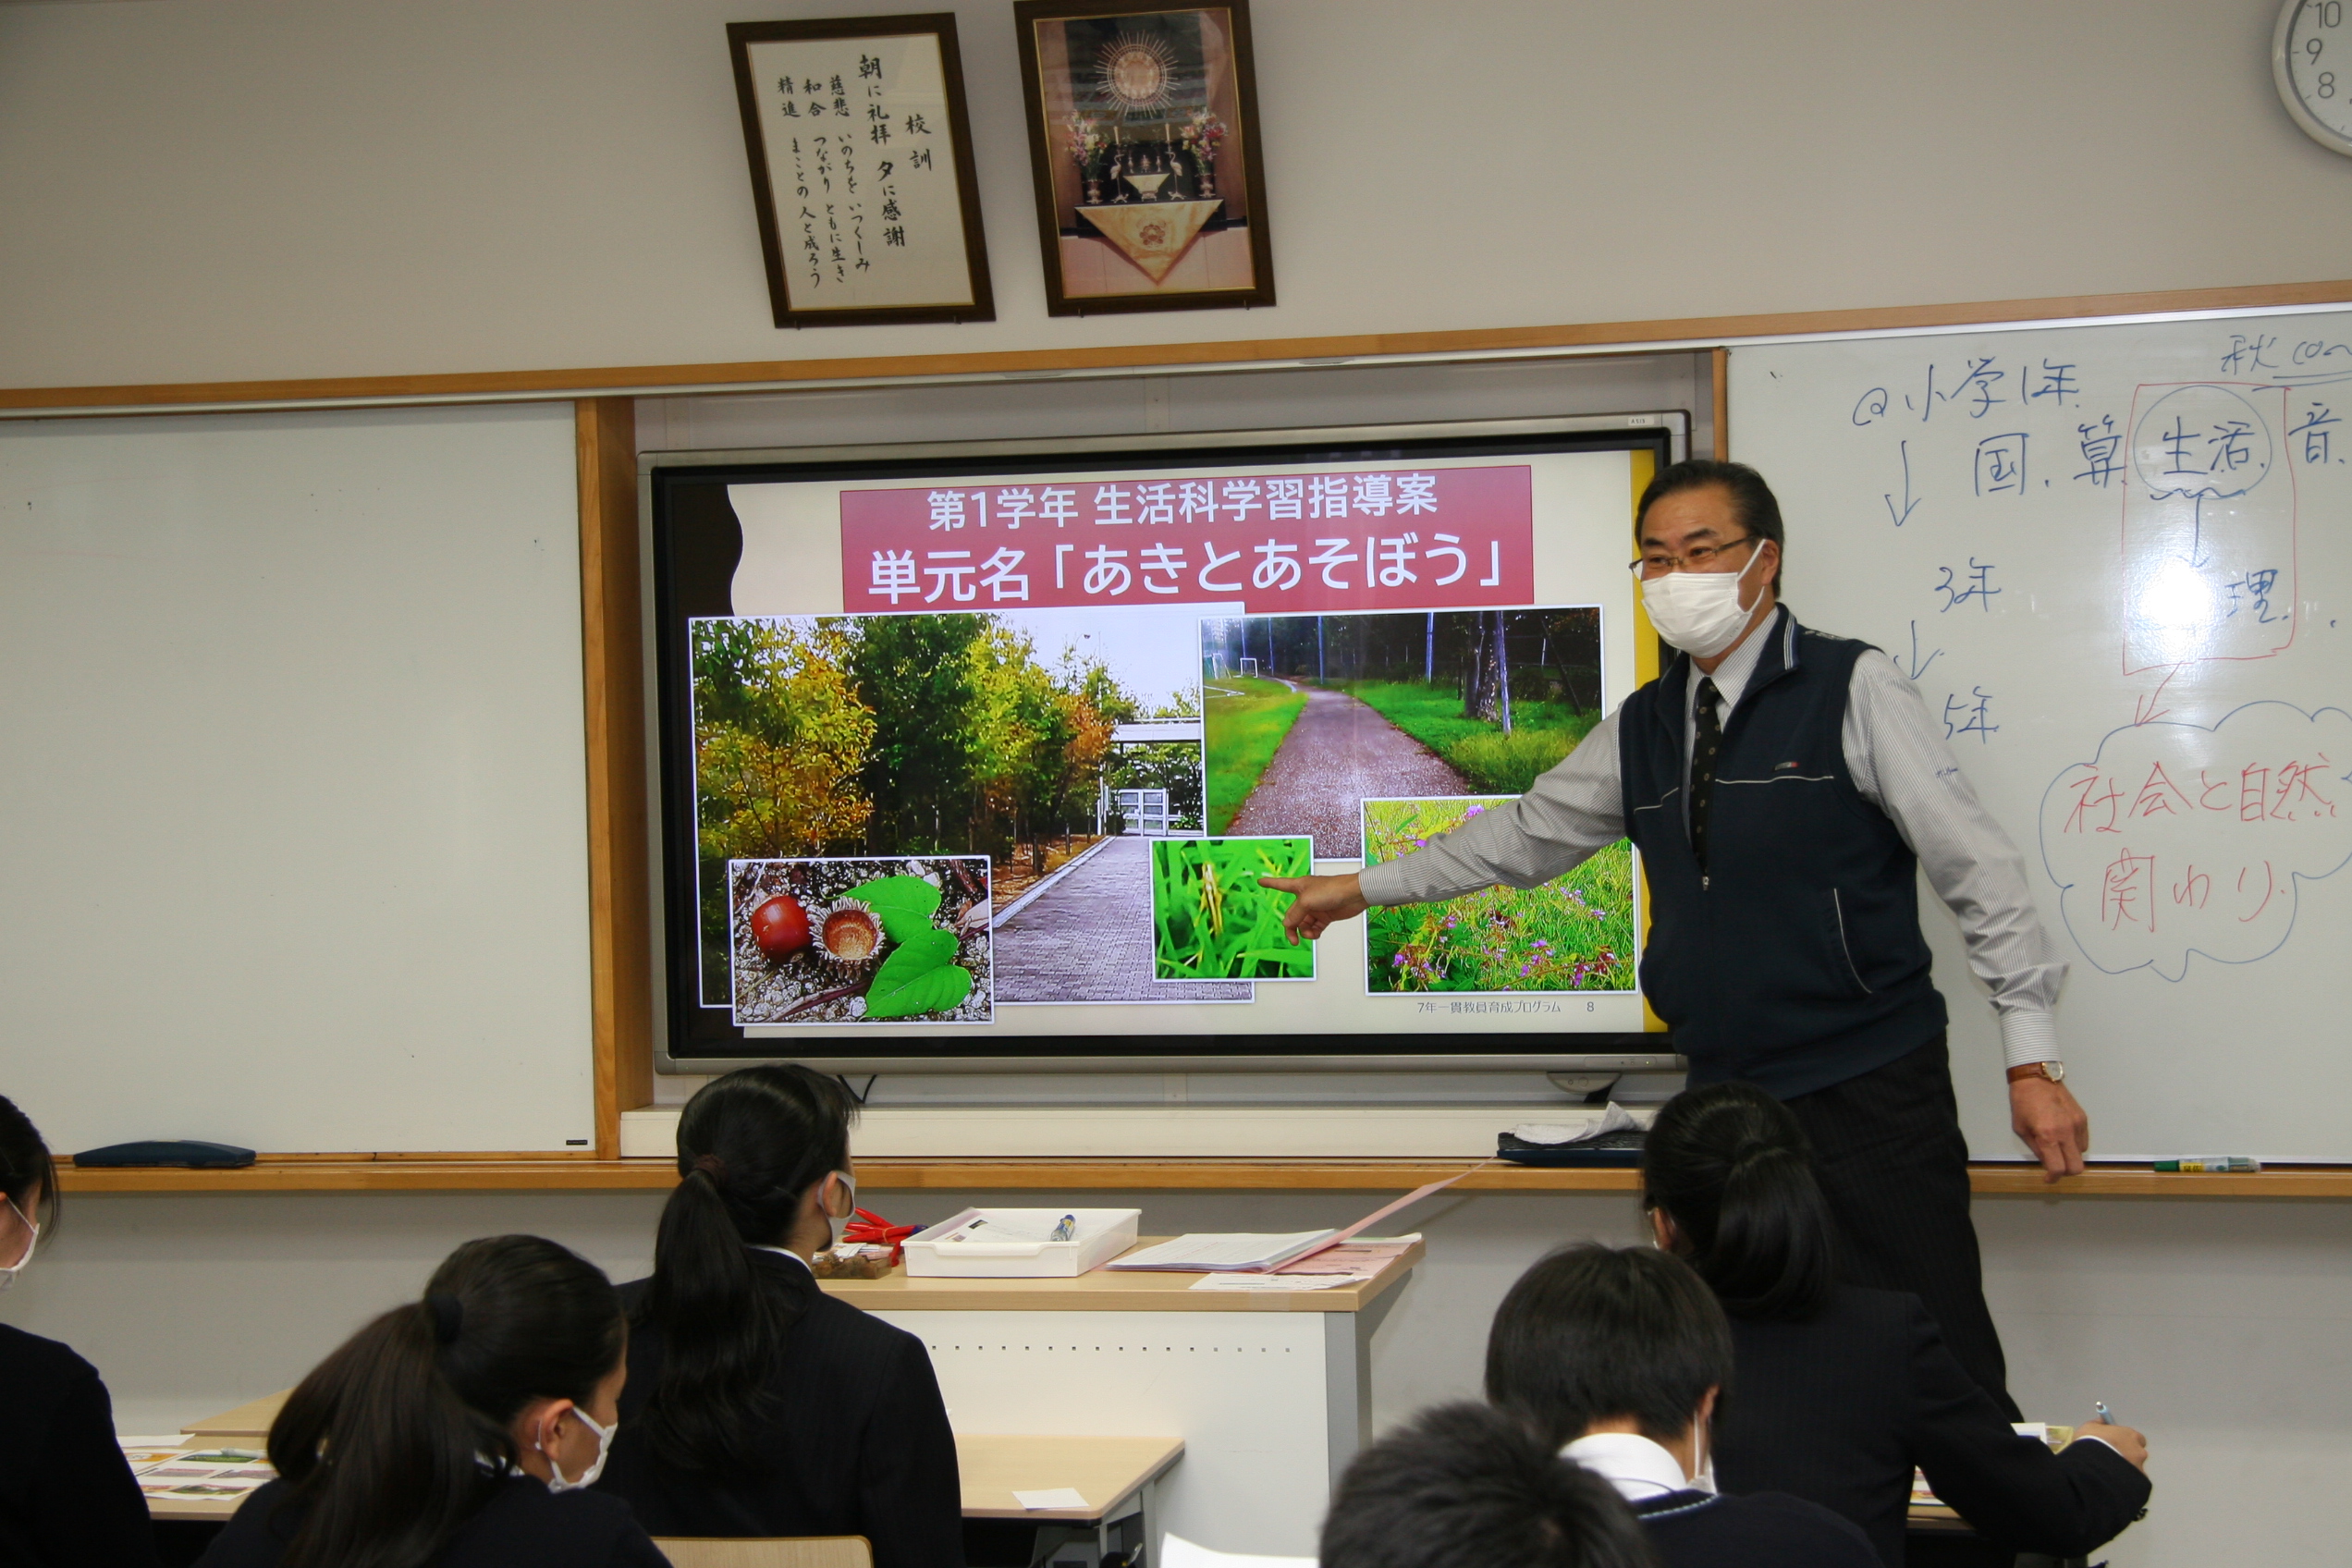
{"x": 953, "y": 759}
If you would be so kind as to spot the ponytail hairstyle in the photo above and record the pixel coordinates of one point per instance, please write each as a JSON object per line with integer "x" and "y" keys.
{"x": 397, "y": 1437}
{"x": 1731, "y": 1167}
{"x": 750, "y": 1147}
{"x": 25, "y": 1166}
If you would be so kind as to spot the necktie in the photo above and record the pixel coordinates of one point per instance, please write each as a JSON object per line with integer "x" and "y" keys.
{"x": 1705, "y": 741}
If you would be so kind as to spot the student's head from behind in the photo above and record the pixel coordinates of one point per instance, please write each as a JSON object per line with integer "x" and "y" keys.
{"x": 1465, "y": 1486}
{"x": 1727, "y": 1179}
{"x": 514, "y": 1356}
{"x": 763, "y": 1161}
{"x": 1596, "y": 1338}
{"x": 767, "y": 1149}
{"x": 27, "y": 1185}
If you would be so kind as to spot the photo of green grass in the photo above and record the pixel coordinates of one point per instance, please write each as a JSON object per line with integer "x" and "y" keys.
{"x": 1247, "y": 719}
{"x": 1545, "y": 732}
{"x": 1210, "y": 919}
{"x": 1575, "y": 933}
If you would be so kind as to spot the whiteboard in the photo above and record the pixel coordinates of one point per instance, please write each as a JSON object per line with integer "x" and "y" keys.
{"x": 2114, "y": 559}
{"x": 293, "y": 847}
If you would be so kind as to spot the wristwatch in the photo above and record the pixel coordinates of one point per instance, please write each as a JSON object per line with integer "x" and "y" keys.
{"x": 2053, "y": 1071}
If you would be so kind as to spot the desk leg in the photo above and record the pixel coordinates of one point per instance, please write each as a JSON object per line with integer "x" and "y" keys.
{"x": 1347, "y": 1380}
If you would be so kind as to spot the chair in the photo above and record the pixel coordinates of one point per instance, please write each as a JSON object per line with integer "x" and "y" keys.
{"x": 769, "y": 1551}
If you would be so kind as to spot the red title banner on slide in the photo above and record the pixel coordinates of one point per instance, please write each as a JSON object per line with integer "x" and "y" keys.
{"x": 1396, "y": 539}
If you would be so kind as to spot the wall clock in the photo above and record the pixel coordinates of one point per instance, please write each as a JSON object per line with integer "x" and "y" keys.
{"x": 2312, "y": 62}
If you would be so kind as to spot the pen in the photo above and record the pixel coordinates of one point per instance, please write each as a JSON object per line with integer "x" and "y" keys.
{"x": 2106, "y": 1417}
{"x": 1066, "y": 1229}
{"x": 2215, "y": 1162}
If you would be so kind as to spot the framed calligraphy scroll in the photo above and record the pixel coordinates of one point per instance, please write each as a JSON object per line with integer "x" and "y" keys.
{"x": 860, "y": 155}
{"x": 1143, "y": 128}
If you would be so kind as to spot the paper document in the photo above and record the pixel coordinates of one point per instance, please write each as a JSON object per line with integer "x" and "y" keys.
{"x": 1175, "y": 1552}
{"x": 1364, "y": 1258}
{"x": 1052, "y": 1497}
{"x": 1222, "y": 1252}
{"x": 1616, "y": 1118}
{"x": 1227, "y": 1253}
{"x": 1278, "y": 1282}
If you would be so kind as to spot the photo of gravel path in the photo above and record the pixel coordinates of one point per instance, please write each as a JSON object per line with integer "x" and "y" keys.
{"x": 1087, "y": 938}
{"x": 1307, "y": 716}
{"x": 1338, "y": 752}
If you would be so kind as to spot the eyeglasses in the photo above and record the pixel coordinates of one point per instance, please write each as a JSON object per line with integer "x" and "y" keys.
{"x": 1699, "y": 557}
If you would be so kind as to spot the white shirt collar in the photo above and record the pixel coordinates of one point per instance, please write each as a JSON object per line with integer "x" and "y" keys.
{"x": 1731, "y": 677}
{"x": 785, "y": 1252}
{"x": 1637, "y": 1467}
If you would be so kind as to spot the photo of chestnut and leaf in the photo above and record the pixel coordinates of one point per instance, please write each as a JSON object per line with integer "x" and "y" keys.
{"x": 1211, "y": 920}
{"x": 1572, "y": 934}
{"x": 865, "y": 939}
{"x": 1024, "y": 738}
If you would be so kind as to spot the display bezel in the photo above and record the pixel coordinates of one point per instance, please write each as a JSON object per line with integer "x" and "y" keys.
{"x": 694, "y": 1039}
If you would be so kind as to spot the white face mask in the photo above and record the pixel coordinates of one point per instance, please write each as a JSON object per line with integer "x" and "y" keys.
{"x": 1699, "y": 611}
{"x": 840, "y": 1222}
{"x": 588, "y": 1476}
{"x": 1703, "y": 1479}
{"x": 32, "y": 1239}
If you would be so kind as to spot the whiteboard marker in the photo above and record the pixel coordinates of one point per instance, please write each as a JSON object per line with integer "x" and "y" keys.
{"x": 2216, "y": 1162}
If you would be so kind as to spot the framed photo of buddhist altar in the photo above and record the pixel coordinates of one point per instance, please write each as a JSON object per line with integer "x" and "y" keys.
{"x": 860, "y": 155}
{"x": 1142, "y": 129}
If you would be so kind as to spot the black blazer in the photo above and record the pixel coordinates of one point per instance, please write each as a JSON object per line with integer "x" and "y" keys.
{"x": 522, "y": 1526}
{"x": 67, "y": 1496}
{"x": 1693, "y": 1529}
{"x": 859, "y": 1435}
{"x": 1837, "y": 1410}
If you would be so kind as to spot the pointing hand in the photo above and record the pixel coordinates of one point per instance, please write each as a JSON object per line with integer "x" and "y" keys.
{"x": 1317, "y": 901}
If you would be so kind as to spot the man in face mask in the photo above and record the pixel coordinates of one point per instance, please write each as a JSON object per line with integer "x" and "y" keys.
{"x": 1784, "y": 788}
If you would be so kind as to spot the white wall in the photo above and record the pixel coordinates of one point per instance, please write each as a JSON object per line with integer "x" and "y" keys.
{"x": 2219, "y": 1327}
{"x": 201, "y": 190}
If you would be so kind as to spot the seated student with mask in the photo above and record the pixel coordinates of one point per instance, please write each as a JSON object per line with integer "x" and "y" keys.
{"x": 459, "y": 1431}
{"x": 757, "y": 1404}
{"x": 67, "y": 1496}
{"x": 1843, "y": 1391}
{"x": 1465, "y": 1486}
{"x": 1621, "y": 1356}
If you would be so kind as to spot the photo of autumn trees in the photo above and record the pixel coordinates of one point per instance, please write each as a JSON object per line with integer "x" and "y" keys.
{"x": 910, "y": 735}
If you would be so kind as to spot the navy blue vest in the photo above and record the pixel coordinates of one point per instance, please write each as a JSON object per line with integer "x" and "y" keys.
{"x": 1795, "y": 961}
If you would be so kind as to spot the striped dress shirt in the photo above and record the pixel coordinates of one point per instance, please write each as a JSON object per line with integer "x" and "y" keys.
{"x": 1898, "y": 763}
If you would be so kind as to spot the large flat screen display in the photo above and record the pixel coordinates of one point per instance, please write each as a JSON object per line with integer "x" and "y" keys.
{"x": 981, "y": 757}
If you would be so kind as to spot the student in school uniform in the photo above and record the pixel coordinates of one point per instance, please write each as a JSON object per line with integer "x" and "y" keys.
{"x": 1620, "y": 1357}
{"x": 458, "y": 1431}
{"x": 757, "y": 1404}
{"x": 67, "y": 1496}
{"x": 1839, "y": 1391}
{"x": 1465, "y": 1486}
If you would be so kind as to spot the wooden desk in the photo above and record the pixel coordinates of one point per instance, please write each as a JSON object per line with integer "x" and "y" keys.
{"x": 1269, "y": 1390}
{"x": 1108, "y": 1472}
{"x": 1107, "y": 1290}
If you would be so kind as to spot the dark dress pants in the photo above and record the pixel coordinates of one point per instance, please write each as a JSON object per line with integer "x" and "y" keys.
{"x": 1894, "y": 1168}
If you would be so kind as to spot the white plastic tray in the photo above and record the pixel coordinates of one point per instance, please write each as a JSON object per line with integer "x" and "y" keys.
{"x": 1101, "y": 1235}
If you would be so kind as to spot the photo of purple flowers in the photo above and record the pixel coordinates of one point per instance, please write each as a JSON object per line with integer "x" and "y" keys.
{"x": 1575, "y": 933}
